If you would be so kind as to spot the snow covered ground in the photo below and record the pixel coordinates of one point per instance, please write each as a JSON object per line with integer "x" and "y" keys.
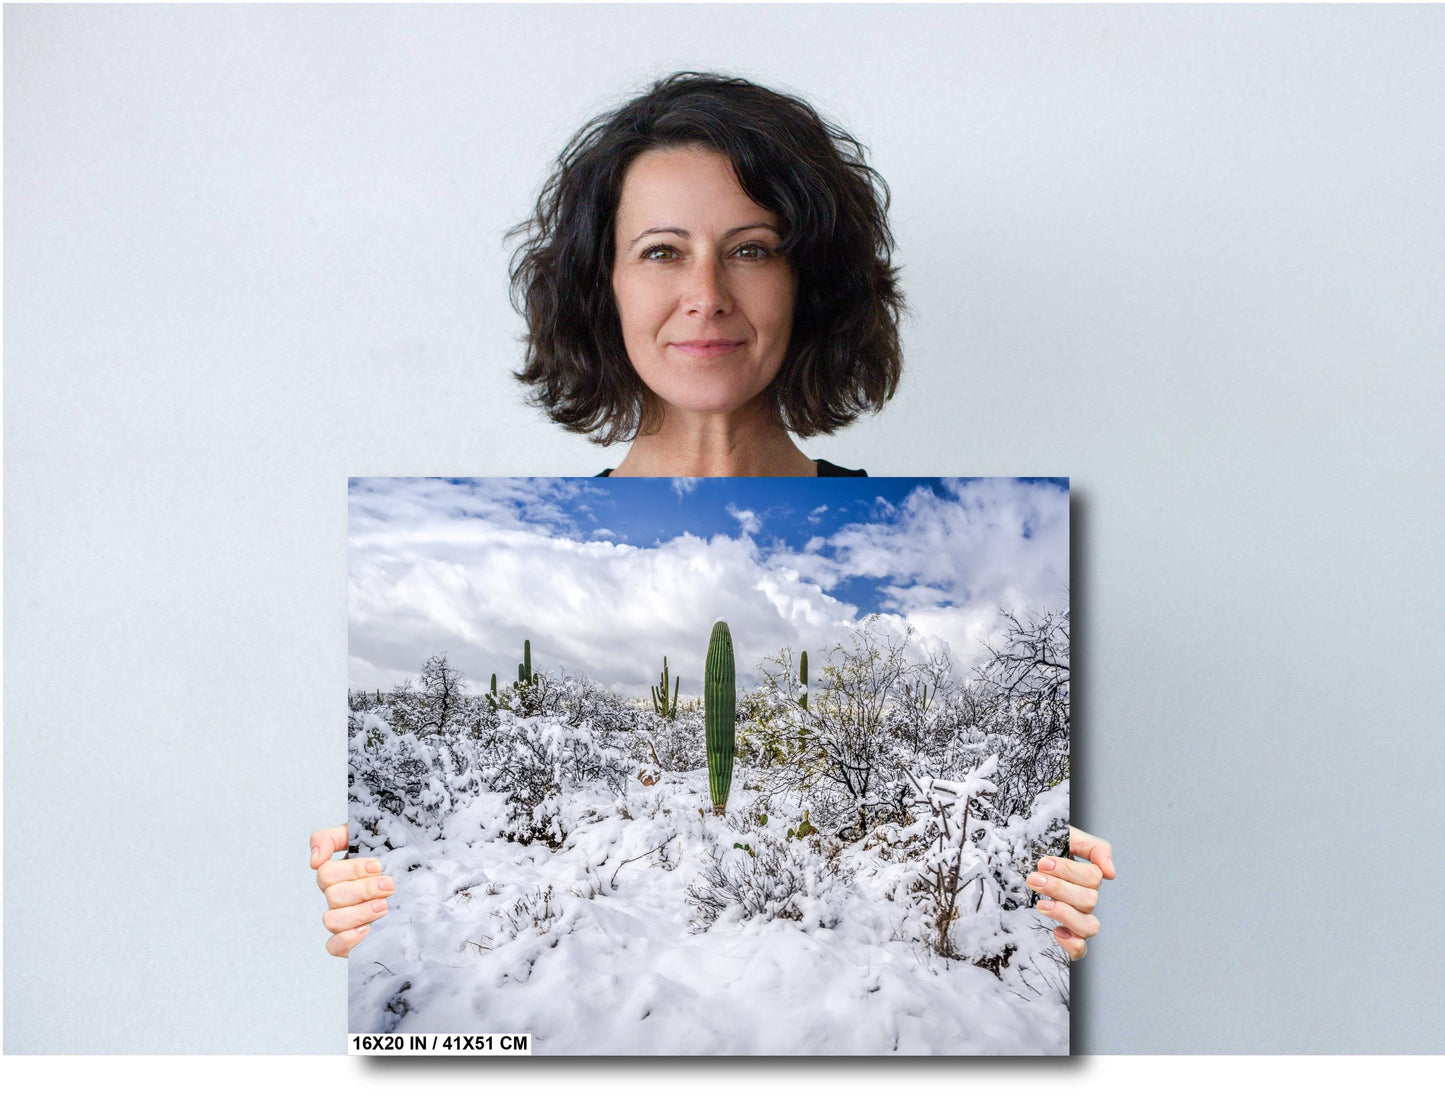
{"x": 597, "y": 947}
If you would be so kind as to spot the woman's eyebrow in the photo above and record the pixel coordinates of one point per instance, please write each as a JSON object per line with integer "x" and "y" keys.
{"x": 682, "y": 233}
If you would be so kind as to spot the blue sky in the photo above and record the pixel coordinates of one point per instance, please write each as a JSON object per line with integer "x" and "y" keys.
{"x": 605, "y": 575}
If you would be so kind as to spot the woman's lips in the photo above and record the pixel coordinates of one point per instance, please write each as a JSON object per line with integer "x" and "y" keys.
{"x": 706, "y": 349}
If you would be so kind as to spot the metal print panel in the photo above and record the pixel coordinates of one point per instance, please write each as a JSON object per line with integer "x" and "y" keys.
{"x": 711, "y": 766}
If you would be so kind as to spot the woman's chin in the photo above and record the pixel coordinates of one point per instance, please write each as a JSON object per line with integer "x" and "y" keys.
{"x": 701, "y": 401}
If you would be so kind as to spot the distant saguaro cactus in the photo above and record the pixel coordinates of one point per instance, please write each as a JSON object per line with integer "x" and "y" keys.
{"x": 720, "y": 709}
{"x": 659, "y": 695}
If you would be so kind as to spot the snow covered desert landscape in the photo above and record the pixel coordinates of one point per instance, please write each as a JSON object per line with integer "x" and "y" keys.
{"x": 711, "y": 766}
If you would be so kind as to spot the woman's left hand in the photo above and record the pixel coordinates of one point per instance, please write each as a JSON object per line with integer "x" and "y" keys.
{"x": 1071, "y": 889}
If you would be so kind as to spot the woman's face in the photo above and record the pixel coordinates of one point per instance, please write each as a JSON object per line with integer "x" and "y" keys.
{"x": 705, "y": 300}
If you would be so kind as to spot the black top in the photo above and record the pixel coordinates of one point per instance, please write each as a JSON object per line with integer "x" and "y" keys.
{"x": 825, "y": 470}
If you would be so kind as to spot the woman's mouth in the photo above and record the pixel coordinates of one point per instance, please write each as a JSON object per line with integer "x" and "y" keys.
{"x": 706, "y": 348}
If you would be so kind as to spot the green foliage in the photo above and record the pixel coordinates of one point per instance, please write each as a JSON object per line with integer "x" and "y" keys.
{"x": 720, "y": 700}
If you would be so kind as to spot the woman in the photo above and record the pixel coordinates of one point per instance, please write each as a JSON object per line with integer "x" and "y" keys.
{"x": 706, "y": 275}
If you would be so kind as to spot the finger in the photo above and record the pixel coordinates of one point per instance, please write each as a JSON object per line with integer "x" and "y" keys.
{"x": 1085, "y": 925}
{"x": 354, "y": 891}
{"x": 1074, "y": 870}
{"x": 326, "y": 842}
{"x": 1082, "y": 899}
{"x": 342, "y": 918}
{"x": 338, "y": 870}
{"x": 1072, "y": 943}
{"x": 1093, "y": 849}
{"x": 342, "y": 944}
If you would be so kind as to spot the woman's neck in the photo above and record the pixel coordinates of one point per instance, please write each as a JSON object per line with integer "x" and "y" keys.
{"x": 705, "y": 446}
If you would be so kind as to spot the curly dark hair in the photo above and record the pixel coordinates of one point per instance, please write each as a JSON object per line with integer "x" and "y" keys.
{"x": 844, "y": 355}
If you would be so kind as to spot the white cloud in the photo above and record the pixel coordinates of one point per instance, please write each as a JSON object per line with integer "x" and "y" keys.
{"x": 475, "y": 570}
{"x": 683, "y": 485}
{"x": 747, "y": 520}
{"x": 949, "y": 562}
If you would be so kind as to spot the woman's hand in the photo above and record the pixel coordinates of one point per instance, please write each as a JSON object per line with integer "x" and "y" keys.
{"x": 355, "y": 890}
{"x": 1072, "y": 889}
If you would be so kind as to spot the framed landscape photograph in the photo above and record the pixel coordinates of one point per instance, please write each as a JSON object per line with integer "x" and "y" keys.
{"x": 711, "y": 766}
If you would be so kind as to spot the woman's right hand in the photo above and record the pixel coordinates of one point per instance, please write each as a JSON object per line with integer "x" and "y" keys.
{"x": 356, "y": 890}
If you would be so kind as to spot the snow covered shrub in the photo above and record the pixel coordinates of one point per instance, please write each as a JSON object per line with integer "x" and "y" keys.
{"x": 763, "y": 876}
{"x": 537, "y": 762}
{"x": 969, "y": 885}
{"x": 398, "y": 774}
{"x": 846, "y": 758}
{"x": 676, "y": 744}
{"x": 583, "y": 702}
{"x": 533, "y": 911}
{"x": 957, "y": 887}
{"x": 1028, "y": 674}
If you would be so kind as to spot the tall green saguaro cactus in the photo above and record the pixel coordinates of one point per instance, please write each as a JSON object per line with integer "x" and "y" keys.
{"x": 659, "y": 694}
{"x": 720, "y": 704}
{"x": 803, "y": 698}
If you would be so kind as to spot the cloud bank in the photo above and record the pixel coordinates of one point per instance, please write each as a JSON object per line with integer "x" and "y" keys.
{"x": 476, "y": 567}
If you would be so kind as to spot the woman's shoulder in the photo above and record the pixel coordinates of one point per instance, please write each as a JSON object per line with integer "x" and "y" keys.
{"x": 825, "y": 470}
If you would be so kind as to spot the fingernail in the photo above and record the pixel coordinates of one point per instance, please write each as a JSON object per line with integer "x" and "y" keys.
{"x": 1062, "y": 933}
{"x": 1047, "y": 863}
{"x": 386, "y": 884}
{"x": 1038, "y": 881}
{"x": 373, "y": 867}
{"x": 315, "y": 854}
{"x": 361, "y": 931}
{"x": 379, "y": 905}
{"x": 1046, "y": 904}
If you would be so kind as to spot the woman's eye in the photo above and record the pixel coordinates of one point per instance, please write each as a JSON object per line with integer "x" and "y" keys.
{"x": 659, "y": 253}
{"x": 753, "y": 251}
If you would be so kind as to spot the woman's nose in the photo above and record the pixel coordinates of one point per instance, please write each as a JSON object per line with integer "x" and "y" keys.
{"x": 707, "y": 290}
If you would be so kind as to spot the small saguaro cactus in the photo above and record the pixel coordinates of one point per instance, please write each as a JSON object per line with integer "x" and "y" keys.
{"x": 803, "y": 678}
{"x": 720, "y": 710}
{"x": 659, "y": 694}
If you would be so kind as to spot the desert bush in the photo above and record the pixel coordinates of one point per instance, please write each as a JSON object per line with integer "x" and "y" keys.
{"x": 755, "y": 874}
{"x": 536, "y": 762}
{"x": 398, "y": 774}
